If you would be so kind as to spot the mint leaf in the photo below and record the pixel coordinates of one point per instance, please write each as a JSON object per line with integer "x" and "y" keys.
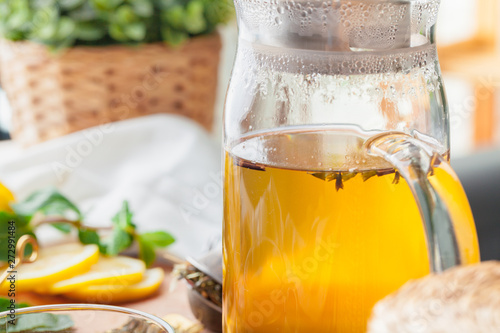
{"x": 146, "y": 251}
{"x": 62, "y": 227}
{"x": 49, "y": 202}
{"x": 123, "y": 219}
{"x": 123, "y": 232}
{"x": 41, "y": 322}
{"x": 88, "y": 236}
{"x": 15, "y": 226}
{"x": 5, "y": 304}
{"x": 119, "y": 241}
{"x": 158, "y": 238}
{"x": 151, "y": 240}
{"x": 21, "y": 222}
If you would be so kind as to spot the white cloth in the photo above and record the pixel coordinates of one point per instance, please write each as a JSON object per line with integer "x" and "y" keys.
{"x": 167, "y": 167}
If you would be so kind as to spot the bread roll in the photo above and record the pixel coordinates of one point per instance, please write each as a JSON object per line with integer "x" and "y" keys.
{"x": 460, "y": 300}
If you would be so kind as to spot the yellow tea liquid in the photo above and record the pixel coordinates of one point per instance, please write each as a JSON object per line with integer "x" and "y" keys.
{"x": 315, "y": 235}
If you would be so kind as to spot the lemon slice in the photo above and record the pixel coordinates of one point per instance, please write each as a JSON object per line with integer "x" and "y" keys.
{"x": 108, "y": 271}
{"x": 5, "y": 198}
{"x": 121, "y": 293}
{"x": 54, "y": 264}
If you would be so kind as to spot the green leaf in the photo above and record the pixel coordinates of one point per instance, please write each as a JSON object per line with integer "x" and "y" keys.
{"x": 65, "y": 28}
{"x": 88, "y": 236}
{"x": 21, "y": 221}
{"x": 125, "y": 14}
{"x": 166, "y": 4}
{"x": 106, "y": 5}
{"x": 44, "y": 4}
{"x": 174, "y": 17}
{"x": 151, "y": 240}
{"x": 70, "y": 4}
{"x": 58, "y": 23}
{"x": 123, "y": 232}
{"x": 194, "y": 20}
{"x": 142, "y": 8}
{"x": 116, "y": 31}
{"x": 49, "y": 202}
{"x": 174, "y": 37}
{"x": 123, "y": 219}
{"x": 119, "y": 241}
{"x": 146, "y": 251}
{"x": 41, "y": 322}
{"x": 5, "y": 304}
{"x": 84, "y": 13}
{"x": 90, "y": 31}
{"x": 158, "y": 238}
{"x": 20, "y": 14}
{"x": 62, "y": 227}
{"x": 7, "y": 230}
{"x": 18, "y": 19}
{"x": 46, "y": 33}
{"x": 135, "y": 31}
{"x": 217, "y": 12}
{"x": 45, "y": 23}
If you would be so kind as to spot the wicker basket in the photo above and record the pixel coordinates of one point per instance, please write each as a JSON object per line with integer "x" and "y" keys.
{"x": 53, "y": 95}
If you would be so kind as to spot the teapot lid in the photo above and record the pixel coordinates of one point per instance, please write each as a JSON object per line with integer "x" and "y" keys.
{"x": 336, "y": 25}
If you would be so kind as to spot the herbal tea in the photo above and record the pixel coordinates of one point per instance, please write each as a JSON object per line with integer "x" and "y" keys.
{"x": 316, "y": 233}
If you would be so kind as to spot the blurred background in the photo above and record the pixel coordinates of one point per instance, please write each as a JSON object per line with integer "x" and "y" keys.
{"x": 469, "y": 48}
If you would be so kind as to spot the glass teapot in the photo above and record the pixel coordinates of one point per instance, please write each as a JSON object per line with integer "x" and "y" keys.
{"x": 337, "y": 183}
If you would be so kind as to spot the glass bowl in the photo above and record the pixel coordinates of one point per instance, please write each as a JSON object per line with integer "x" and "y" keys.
{"x": 76, "y": 318}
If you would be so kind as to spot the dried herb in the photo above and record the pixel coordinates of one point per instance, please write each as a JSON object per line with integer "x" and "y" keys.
{"x": 249, "y": 165}
{"x": 338, "y": 183}
{"x": 396, "y": 178}
{"x": 199, "y": 281}
{"x": 368, "y": 174}
{"x": 179, "y": 323}
{"x": 137, "y": 326}
{"x": 348, "y": 175}
{"x": 341, "y": 177}
{"x": 326, "y": 176}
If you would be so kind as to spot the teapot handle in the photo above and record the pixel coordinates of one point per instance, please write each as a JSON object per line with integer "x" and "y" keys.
{"x": 414, "y": 159}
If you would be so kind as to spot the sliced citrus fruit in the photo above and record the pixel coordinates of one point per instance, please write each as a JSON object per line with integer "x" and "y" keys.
{"x": 107, "y": 271}
{"x": 121, "y": 293}
{"x": 54, "y": 264}
{"x": 5, "y": 198}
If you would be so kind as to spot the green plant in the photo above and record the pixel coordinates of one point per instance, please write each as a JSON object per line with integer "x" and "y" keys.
{"x": 50, "y": 207}
{"x": 65, "y": 23}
